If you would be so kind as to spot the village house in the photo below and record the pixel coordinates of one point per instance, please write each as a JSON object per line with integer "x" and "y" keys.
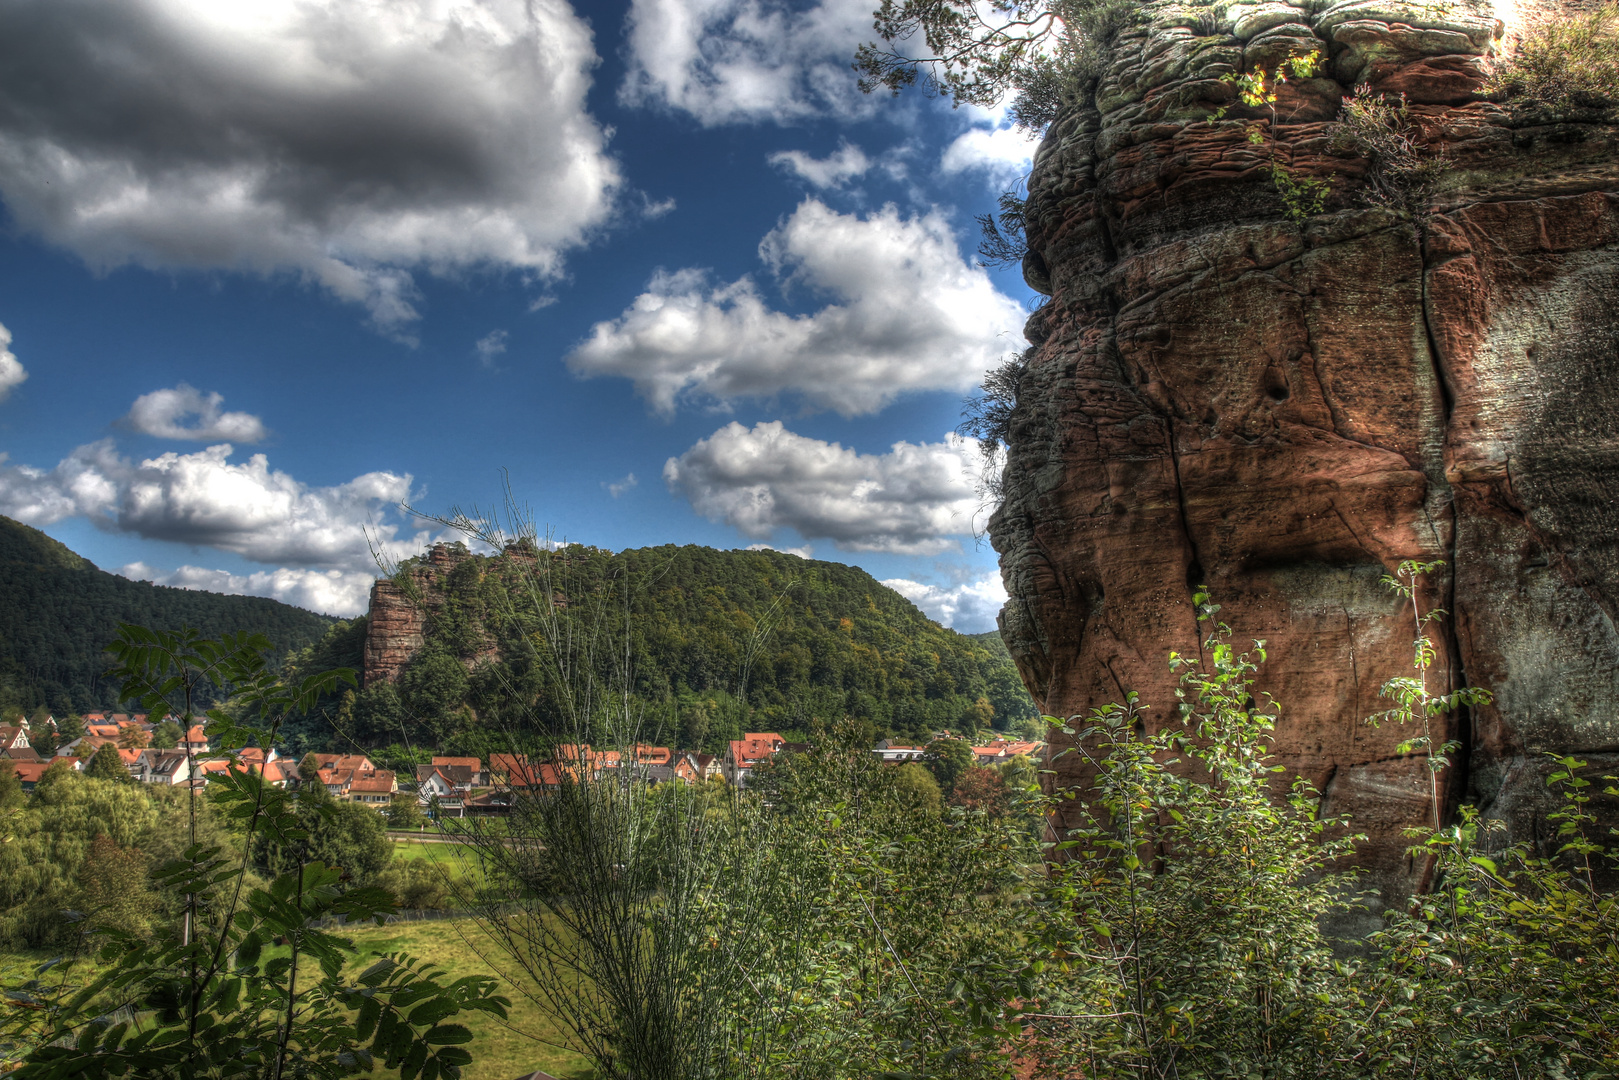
{"x": 528, "y": 776}
{"x": 652, "y": 755}
{"x": 449, "y": 780}
{"x": 892, "y": 753}
{"x": 999, "y": 750}
{"x": 342, "y": 762}
{"x": 14, "y": 744}
{"x": 271, "y": 767}
{"x": 169, "y": 767}
{"x": 374, "y": 789}
{"x": 29, "y": 773}
{"x": 85, "y": 746}
{"x": 477, "y": 775}
{"x": 501, "y": 766}
{"x": 355, "y": 778}
{"x": 748, "y": 752}
{"x": 582, "y": 761}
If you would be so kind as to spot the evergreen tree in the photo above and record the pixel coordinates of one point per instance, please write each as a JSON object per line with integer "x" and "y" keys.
{"x": 11, "y": 793}
{"x": 107, "y": 765}
{"x": 947, "y": 759}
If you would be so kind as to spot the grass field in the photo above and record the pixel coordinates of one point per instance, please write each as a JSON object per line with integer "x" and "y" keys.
{"x": 526, "y": 1041}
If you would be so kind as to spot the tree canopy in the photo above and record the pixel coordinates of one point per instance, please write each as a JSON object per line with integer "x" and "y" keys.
{"x": 61, "y": 612}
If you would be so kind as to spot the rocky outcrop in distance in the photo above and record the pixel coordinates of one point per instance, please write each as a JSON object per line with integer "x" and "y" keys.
{"x": 396, "y": 628}
{"x": 1283, "y": 411}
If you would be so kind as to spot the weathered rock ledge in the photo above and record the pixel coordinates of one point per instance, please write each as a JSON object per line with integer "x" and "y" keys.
{"x": 1284, "y": 412}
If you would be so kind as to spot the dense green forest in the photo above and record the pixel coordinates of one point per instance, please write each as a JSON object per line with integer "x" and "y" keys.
{"x": 60, "y": 611}
{"x": 707, "y": 643}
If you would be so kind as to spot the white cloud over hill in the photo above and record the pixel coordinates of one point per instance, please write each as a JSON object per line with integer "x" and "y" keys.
{"x": 970, "y": 606}
{"x": 332, "y": 592}
{"x": 318, "y": 539}
{"x": 913, "y": 500}
{"x": 907, "y": 313}
{"x": 347, "y": 143}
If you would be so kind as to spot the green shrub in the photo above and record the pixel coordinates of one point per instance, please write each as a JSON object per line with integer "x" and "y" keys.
{"x": 1401, "y": 172}
{"x": 1183, "y": 929}
{"x": 1565, "y": 62}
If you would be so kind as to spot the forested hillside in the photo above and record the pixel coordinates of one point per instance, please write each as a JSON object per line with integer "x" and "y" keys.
{"x": 714, "y": 643}
{"x": 58, "y": 611}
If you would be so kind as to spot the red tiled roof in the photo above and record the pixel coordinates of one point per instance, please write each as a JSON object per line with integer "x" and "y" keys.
{"x": 542, "y": 774}
{"x": 501, "y": 763}
{"x": 755, "y": 746}
{"x": 652, "y": 755}
{"x": 343, "y": 761}
{"x": 379, "y": 782}
{"x": 29, "y": 772}
{"x": 469, "y": 762}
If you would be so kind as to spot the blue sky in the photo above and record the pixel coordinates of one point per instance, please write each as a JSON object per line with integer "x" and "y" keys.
{"x": 270, "y": 268}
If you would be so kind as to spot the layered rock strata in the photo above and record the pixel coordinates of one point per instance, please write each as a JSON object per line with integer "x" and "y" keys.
{"x": 400, "y": 608}
{"x": 1218, "y": 394}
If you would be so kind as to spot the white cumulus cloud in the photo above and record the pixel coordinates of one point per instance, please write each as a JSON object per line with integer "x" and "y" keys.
{"x": 331, "y": 592}
{"x": 1002, "y": 154}
{"x": 12, "y": 372}
{"x": 912, "y": 500}
{"x": 490, "y": 346}
{"x": 619, "y": 487}
{"x": 350, "y": 143}
{"x": 970, "y": 607}
{"x": 730, "y": 61}
{"x": 188, "y": 413}
{"x": 804, "y": 552}
{"x": 205, "y": 499}
{"x": 907, "y": 313}
{"x": 836, "y": 169}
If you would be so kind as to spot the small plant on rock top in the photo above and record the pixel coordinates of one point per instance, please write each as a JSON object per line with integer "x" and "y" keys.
{"x": 1301, "y": 196}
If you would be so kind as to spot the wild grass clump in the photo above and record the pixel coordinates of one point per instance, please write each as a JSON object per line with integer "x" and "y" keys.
{"x": 1564, "y": 63}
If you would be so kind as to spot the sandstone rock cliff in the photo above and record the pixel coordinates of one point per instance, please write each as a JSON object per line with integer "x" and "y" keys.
{"x": 394, "y": 634}
{"x": 1284, "y": 411}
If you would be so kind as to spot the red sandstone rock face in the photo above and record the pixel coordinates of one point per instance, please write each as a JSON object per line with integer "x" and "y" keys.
{"x": 393, "y": 634}
{"x": 398, "y": 617}
{"x": 1284, "y": 412}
